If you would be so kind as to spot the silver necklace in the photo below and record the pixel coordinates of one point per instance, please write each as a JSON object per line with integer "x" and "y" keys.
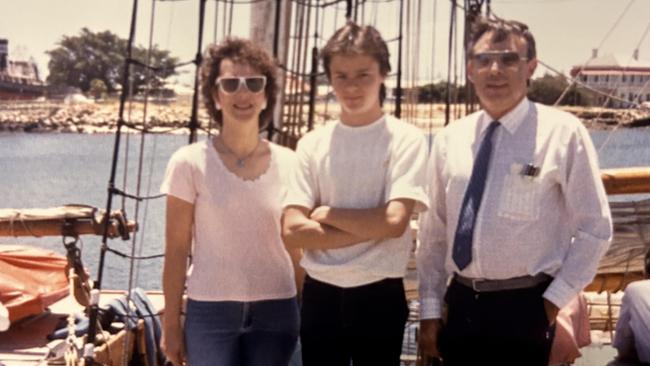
{"x": 240, "y": 161}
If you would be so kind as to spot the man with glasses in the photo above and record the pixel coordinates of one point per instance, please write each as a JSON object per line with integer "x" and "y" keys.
{"x": 518, "y": 216}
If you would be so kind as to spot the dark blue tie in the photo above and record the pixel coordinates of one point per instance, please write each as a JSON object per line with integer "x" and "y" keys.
{"x": 462, "y": 254}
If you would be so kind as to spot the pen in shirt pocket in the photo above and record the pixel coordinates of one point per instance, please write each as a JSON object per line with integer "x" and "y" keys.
{"x": 530, "y": 170}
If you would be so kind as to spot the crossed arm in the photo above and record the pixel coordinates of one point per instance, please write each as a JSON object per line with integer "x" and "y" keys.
{"x": 330, "y": 228}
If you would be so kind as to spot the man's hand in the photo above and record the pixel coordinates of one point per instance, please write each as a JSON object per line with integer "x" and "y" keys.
{"x": 173, "y": 346}
{"x": 551, "y": 311}
{"x": 429, "y": 330}
{"x": 319, "y": 214}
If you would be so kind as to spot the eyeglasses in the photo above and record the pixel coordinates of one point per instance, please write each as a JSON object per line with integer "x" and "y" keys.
{"x": 505, "y": 58}
{"x": 230, "y": 85}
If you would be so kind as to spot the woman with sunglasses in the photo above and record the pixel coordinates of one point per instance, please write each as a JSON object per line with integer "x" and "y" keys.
{"x": 223, "y": 207}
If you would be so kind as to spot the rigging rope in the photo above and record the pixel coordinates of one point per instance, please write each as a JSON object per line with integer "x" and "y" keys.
{"x": 169, "y": 26}
{"x": 645, "y": 33}
{"x": 303, "y": 90}
{"x": 611, "y": 30}
{"x": 313, "y": 89}
{"x": 407, "y": 62}
{"x": 608, "y": 96}
{"x": 363, "y": 13}
{"x": 152, "y": 130}
{"x": 298, "y": 73}
{"x": 194, "y": 118}
{"x": 216, "y": 23}
{"x": 398, "y": 89}
{"x": 232, "y": 9}
{"x": 140, "y": 167}
{"x": 416, "y": 63}
{"x": 296, "y": 122}
{"x": 329, "y": 86}
{"x": 92, "y": 328}
{"x": 433, "y": 73}
{"x": 452, "y": 21}
{"x": 373, "y": 15}
{"x": 134, "y": 257}
{"x": 127, "y": 143}
{"x": 158, "y": 69}
{"x": 590, "y": 88}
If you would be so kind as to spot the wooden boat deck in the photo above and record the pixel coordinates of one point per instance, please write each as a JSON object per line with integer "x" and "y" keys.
{"x": 25, "y": 343}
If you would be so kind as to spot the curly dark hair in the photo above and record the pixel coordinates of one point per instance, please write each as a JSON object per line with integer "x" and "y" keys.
{"x": 240, "y": 51}
{"x": 501, "y": 28}
{"x": 358, "y": 40}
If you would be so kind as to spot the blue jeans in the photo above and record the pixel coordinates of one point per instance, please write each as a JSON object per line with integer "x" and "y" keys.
{"x": 225, "y": 333}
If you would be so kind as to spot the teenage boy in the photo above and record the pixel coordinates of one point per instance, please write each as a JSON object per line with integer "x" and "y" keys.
{"x": 358, "y": 181}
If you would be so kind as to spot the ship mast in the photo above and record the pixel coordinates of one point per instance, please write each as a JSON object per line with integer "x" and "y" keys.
{"x": 270, "y": 27}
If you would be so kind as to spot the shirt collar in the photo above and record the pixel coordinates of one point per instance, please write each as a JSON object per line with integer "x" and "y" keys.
{"x": 510, "y": 120}
{"x": 359, "y": 129}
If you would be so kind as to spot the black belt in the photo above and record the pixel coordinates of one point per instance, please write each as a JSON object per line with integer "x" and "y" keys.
{"x": 515, "y": 283}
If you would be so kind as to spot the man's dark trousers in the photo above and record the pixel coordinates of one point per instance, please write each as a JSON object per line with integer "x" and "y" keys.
{"x": 507, "y": 327}
{"x": 363, "y": 324}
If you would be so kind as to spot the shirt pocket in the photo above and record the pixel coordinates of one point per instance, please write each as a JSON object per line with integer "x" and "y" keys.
{"x": 520, "y": 196}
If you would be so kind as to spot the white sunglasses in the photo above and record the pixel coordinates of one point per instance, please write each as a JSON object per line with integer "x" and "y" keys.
{"x": 232, "y": 84}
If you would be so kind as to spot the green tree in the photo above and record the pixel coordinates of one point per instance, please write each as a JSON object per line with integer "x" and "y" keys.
{"x": 437, "y": 93}
{"x": 97, "y": 88}
{"x": 78, "y": 60}
{"x": 548, "y": 89}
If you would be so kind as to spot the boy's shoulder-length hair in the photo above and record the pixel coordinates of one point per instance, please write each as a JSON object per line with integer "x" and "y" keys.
{"x": 353, "y": 39}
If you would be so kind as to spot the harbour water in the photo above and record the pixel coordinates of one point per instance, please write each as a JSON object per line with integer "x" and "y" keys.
{"x": 47, "y": 170}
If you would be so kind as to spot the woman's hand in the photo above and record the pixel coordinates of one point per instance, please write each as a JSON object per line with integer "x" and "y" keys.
{"x": 551, "y": 311}
{"x": 173, "y": 345}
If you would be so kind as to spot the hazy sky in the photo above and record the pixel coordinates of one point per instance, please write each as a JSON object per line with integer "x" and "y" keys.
{"x": 566, "y": 30}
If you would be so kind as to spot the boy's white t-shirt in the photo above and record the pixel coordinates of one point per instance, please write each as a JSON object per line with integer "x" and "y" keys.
{"x": 238, "y": 254}
{"x": 360, "y": 167}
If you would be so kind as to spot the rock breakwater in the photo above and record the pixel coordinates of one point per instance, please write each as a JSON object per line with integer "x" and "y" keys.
{"x": 41, "y": 117}
{"x": 90, "y": 117}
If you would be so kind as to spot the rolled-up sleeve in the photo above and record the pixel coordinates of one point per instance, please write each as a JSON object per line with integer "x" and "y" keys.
{"x": 589, "y": 217}
{"x": 408, "y": 172}
{"x": 432, "y": 248}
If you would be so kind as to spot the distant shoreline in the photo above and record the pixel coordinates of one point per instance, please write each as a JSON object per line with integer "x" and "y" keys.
{"x": 101, "y": 117}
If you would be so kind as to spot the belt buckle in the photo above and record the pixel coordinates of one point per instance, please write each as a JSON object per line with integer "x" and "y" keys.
{"x": 476, "y": 281}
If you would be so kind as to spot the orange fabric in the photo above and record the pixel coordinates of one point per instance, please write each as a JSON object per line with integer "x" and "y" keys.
{"x": 30, "y": 279}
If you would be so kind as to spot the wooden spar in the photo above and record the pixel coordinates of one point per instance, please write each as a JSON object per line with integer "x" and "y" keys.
{"x": 55, "y": 228}
{"x": 626, "y": 180}
{"x": 613, "y": 282}
{"x": 58, "y": 221}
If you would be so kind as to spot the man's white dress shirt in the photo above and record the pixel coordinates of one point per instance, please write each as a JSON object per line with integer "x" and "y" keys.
{"x": 554, "y": 219}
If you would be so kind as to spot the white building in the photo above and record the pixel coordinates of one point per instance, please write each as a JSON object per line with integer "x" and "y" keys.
{"x": 627, "y": 78}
